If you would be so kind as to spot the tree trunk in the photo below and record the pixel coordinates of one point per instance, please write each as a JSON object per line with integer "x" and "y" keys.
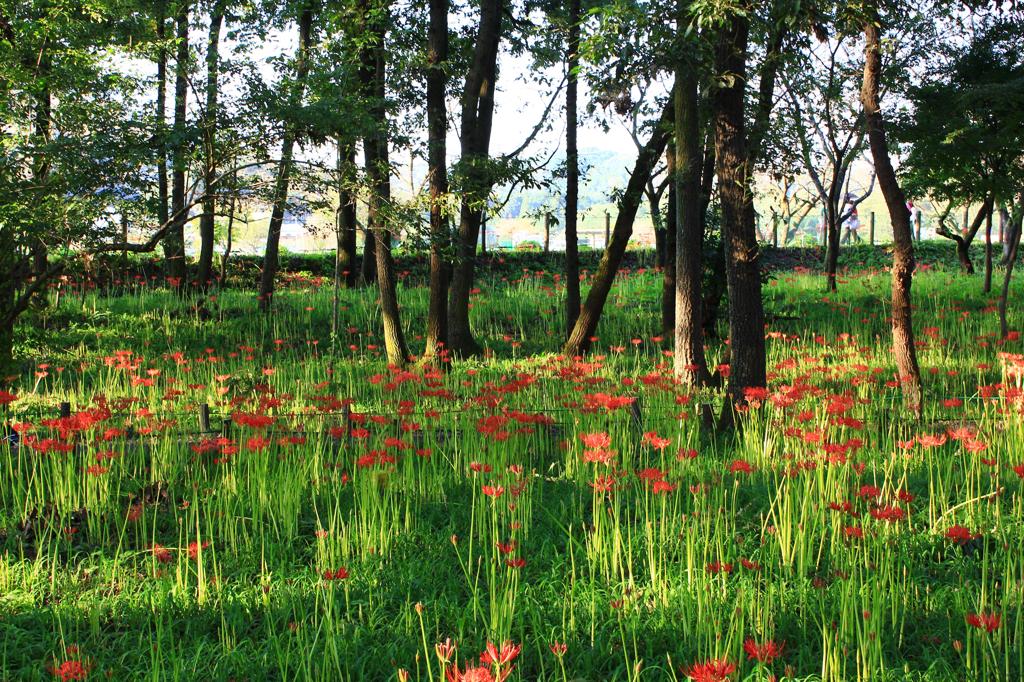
{"x": 832, "y": 231}
{"x": 174, "y": 241}
{"x": 1014, "y": 244}
{"x": 207, "y": 221}
{"x": 272, "y": 252}
{"x": 572, "y": 174}
{"x": 368, "y": 265}
{"x": 41, "y": 162}
{"x": 590, "y": 314}
{"x": 345, "y": 227}
{"x": 477, "y": 115}
{"x": 8, "y": 288}
{"x": 689, "y": 363}
{"x": 437, "y": 131}
{"x": 987, "y": 287}
{"x": 743, "y": 276}
{"x": 230, "y": 232}
{"x": 668, "y": 272}
{"x": 378, "y": 172}
{"x": 163, "y": 207}
{"x": 904, "y": 352}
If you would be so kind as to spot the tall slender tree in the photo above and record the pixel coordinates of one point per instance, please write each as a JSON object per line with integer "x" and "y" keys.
{"x": 572, "y": 171}
{"x": 689, "y": 362}
{"x": 209, "y": 132}
{"x": 474, "y": 167}
{"x": 174, "y": 242}
{"x": 903, "y": 348}
{"x": 437, "y": 131}
{"x": 284, "y": 168}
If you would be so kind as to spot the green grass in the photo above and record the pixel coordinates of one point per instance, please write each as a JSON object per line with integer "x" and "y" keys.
{"x": 151, "y": 551}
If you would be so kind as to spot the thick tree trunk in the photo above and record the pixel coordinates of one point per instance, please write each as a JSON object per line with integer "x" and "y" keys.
{"x": 590, "y": 314}
{"x": 174, "y": 241}
{"x": 437, "y": 131}
{"x": 743, "y": 276}
{"x": 689, "y": 362}
{"x": 207, "y": 221}
{"x": 271, "y": 255}
{"x": 668, "y": 271}
{"x": 477, "y": 115}
{"x": 572, "y": 177}
{"x": 903, "y": 349}
{"x": 372, "y": 76}
{"x": 163, "y": 206}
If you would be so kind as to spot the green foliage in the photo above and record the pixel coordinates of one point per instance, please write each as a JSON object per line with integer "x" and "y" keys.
{"x": 965, "y": 135}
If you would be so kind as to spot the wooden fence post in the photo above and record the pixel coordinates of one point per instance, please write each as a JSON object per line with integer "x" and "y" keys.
{"x": 204, "y": 418}
{"x": 871, "y": 228}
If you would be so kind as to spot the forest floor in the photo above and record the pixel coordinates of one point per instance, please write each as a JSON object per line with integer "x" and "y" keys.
{"x": 337, "y": 519}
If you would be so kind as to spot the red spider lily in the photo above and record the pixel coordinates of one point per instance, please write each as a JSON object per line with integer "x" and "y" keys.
{"x": 989, "y": 622}
{"x": 494, "y": 656}
{"x": 517, "y": 562}
{"x": 506, "y": 548}
{"x": 889, "y": 513}
{"x": 71, "y": 670}
{"x": 162, "y": 554}
{"x": 480, "y": 468}
{"x": 445, "y": 650}
{"x": 596, "y": 440}
{"x": 685, "y": 454}
{"x": 494, "y": 491}
{"x": 716, "y": 567}
{"x": 7, "y": 398}
{"x": 475, "y": 674}
{"x": 603, "y": 484}
{"x": 598, "y": 456}
{"x": 650, "y": 474}
{"x": 1019, "y": 470}
{"x": 853, "y": 532}
{"x": 714, "y": 670}
{"x": 739, "y": 466}
{"x": 194, "y": 548}
{"x": 662, "y": 487}
{"x": 750, "y": 565}
{"x": 763, "y": 652}
{"x": 869, "y": 492}
{"x": 340, "y": 573}
{"x": 755, "y": 394}
{"x": 960, "y": 534}
{"x": 656, "y": 442}
{"x": 558, "y": 649}
{"x": 931, "y": 441}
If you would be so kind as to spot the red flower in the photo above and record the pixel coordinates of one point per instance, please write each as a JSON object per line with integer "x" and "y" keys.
{"x": 7, "y": 398}
{"x": 162, "y": 554}
{"x": 339, "y": 574}
{"x": 714, "y": 670}
{"x": 765, "y": 652}
{"x": 559, "y": 649}
{"x": 596, "y": 440}
{"x": 989, "y": 622}
{"x": 739, "y": 466}
{"x": 960, "y": 534}
{"x": 71, "y": 670}
{"x": 494, "y": 656}
{"x": 494, "y": 491}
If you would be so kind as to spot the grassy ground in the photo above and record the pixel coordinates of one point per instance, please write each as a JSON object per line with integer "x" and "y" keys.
{"x": 521, "y": 498}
